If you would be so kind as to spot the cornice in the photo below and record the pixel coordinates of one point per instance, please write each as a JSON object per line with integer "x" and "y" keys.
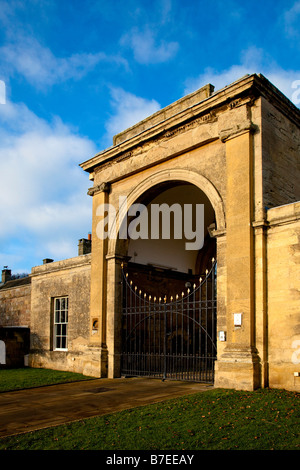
{"x": 103, "y": 187}
{"x": 62, "y": 265}
{"x": 248, "y": 88}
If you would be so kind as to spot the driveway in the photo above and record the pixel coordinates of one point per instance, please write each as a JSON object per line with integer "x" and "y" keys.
{"x": 37, "y": 408}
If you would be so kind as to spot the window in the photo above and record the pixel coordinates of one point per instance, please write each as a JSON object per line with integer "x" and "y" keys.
{"x": 60, "y": 323}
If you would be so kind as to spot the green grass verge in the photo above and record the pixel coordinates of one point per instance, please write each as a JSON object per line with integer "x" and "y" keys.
{"x": 16, "y": 379}
{"x": 212, "y": 420}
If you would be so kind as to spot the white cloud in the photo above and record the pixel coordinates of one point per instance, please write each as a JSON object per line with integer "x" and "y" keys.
{"x": 146, "y": 48}
{"x": 41, "y": 68}
{"x": 165, "y": 9}
{"x": 291, "y": 20}
{"x": 22, "y": 54}
{"x": 129, "y": 110}
{"x": 43, "y": 191}
{"x": 44, "y": 208}
{"x": 253, "y": 60}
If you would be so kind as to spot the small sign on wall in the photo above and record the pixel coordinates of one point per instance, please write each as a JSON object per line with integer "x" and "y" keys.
{"x": 237, "y": 319}
{"x": 2, "y": 353}
{"x": 222, "y": 336}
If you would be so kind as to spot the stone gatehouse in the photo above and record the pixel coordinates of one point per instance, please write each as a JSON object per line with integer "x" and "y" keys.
{"x": 148, "y": 306}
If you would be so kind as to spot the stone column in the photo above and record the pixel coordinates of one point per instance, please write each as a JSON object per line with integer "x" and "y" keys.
{"x": 114, "y": 319}
{"x": 238, "y": 366}
{"x": 261, "y": 321}
{"x": 98, "y": 280}
{"x": 220, "y": 236}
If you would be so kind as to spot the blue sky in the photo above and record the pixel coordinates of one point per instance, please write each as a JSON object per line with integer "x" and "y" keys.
{"x": 78, "y": 72}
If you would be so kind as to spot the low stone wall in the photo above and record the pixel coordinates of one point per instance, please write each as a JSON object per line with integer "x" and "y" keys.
{"x": 68, "y": 278}
{"x": 283, "y": 249}
{"x": 15, "y": 300}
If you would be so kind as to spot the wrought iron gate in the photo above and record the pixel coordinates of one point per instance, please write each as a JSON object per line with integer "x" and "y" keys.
{"x": 173, "y": 339}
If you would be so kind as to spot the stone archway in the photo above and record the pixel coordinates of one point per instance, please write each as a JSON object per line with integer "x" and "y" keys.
{"x": 117, "y": 249}
{"x": 211, "y": 140}
{"x": 162, "y": 176}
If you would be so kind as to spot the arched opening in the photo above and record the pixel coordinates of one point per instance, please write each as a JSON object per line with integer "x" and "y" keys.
{"x": 147, "y": 189}
{"x": 184, "y": 247}
{"x": 169, "y": 295}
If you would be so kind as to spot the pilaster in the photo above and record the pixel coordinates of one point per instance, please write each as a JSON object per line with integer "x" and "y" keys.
{"x": 114, "y": 320}
{"x": 261, "y": 318}
{"x": 238, "y": 366}
{"x": 98, "y": 280}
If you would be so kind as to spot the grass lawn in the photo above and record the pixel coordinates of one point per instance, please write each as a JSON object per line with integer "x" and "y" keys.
{"x": 16, "y": 379}
{"x": 214, "y": 419}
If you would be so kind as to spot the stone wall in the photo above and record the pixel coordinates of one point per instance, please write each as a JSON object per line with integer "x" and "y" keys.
{"x": 69, "y": 278}
{"x": 15, "y": 298}
{"x": 283, "y": 274}
{"x": 281, "y": 163}
{"x": 239, "y": 147}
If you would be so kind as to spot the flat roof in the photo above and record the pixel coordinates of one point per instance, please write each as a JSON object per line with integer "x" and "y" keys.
{"x": 190, "y": 107}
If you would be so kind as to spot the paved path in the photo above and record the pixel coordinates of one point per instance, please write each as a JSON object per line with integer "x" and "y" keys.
{"x": 37, "y": 408}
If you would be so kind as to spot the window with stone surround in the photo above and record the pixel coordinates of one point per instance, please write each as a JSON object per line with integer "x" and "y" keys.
{"x": 60, "y": 331}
